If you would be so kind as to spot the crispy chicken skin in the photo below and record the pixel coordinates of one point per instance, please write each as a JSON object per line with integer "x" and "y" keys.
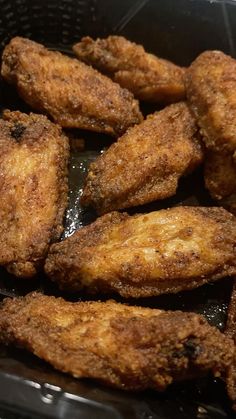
{"x": 211, "y": 86}
{"x": 147, "y": 254}
{"x": 132, "y": 348}
{"x": 146, "y": 163}
{"x": 220, "y": 178}
{"x": 220, "y": 174}
{"x": 231, "y": 332}
{"x": 148, "y": 77}
{"x": 33, "y": 188}
{"x": 74, "y": 94}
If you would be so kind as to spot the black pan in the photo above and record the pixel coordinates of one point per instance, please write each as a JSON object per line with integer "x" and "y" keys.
{"x": 174, "y": 29}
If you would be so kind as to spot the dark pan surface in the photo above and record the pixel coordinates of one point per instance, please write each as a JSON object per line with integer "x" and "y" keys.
{"x": 178, "y": 30}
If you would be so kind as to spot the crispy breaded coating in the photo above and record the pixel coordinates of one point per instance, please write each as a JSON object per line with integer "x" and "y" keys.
{"x": 72, "y": 93}
{"x": 220, "y": 174}
{"x": 148, "y": 77}
{"x": 211, "y": 87}
{"x": 33, "y": 188}
{"x": 131, "y": 348}
{"x": 147, "y": 254}
{"x": 220, "y": 178}
{"x": 230, "y": 331}
{"x": 146, "y": 163}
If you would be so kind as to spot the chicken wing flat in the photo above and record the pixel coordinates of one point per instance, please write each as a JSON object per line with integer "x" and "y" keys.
{"x": 33, "y": 188}
{"x": 148, "y": 254}
{"x": 231, "y": 332}
{"x": 74, "y": 94}
{"x": 146, "y": 163}
{"x": 131, "y": 348}
{"x": 148, "y": 77}
{"x": 211, "y": 87}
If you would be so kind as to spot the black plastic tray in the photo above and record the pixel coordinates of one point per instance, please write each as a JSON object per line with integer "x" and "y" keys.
{"x": 174, "y": 29}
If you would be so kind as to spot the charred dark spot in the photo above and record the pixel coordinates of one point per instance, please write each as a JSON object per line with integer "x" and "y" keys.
{"x": 17, "y": 131}
{"x": 191, "y": 350}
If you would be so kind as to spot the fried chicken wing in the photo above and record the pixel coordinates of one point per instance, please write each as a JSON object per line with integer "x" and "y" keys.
{"x": 146, "y": 163}
{"x": 211, "y": 86}
{"x": 231, "y": 332}
{"x": 147, "y": 254}
{"x": 131, "y": 348}
{"x": 33, "y": 188}
{"x": 74, "y": 94}
{"x": 149, "y": 78}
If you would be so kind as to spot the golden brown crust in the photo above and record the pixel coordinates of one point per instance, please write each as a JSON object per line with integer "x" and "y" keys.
{"x": 147, "y": 254}
{"x": 33, "y": 188}
{"x": 211, "y": 86}
{"x": 220, "y": 174}
{"x": 146, "y": 163}
{"x": 74, "y": 94}
{"x": 131, "y": 348}
{"x": 148, "y": 77}
{"x": 220, "y": 178}
{"x": 230, "y": 331}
